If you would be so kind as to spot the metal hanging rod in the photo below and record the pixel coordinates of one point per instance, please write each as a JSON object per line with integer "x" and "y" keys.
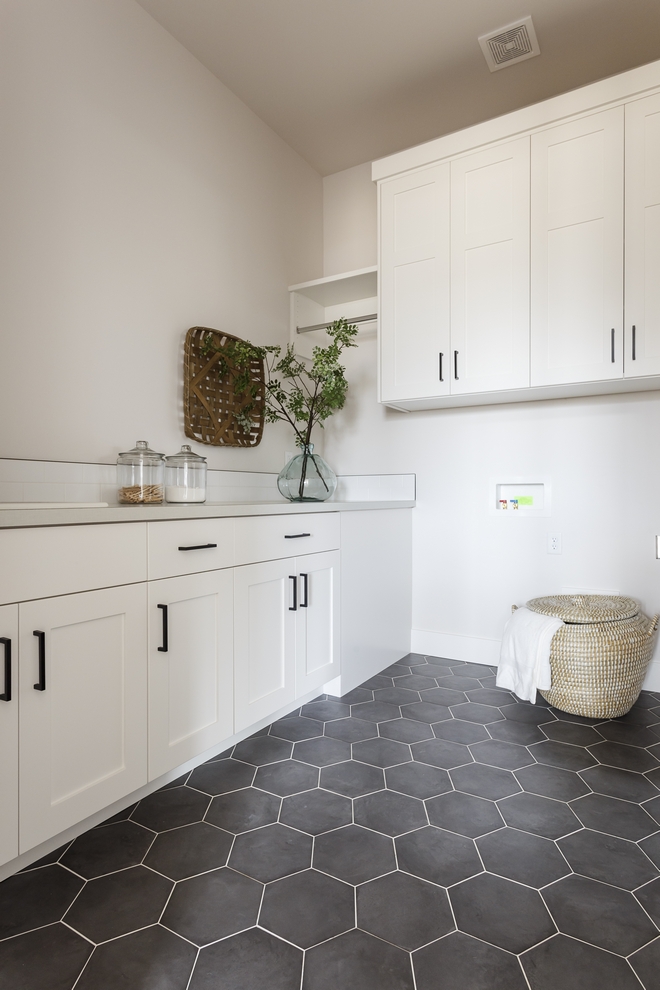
{"x": 324, "y": 326}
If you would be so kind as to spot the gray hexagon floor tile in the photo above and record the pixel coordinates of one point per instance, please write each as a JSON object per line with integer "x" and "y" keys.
{"x": 646, "y": 964}
{"x": 119, "y": 903}
{"x": 522, "y": 733}
{"x": 528, "y": 859}
{"x": 308, "y": 908}
{"x": 354, "y": 854}
{"x": 295, "y": 729}
{"x": 53, "y": 956}
{"x": 624, "y": 757}
{"x": 438, "y": 856}
{"x": 351, "y": 730}
{"x": 171, "y": 808}
{"x": 540, "y": 815}
{"x": 325, "y": 711}
{"x": 221, "y": 776}
{"x": 600, "y": 914}
{"x": 381, "y": 752}
{"x": 316, "y": 811}
{"x": 211, "y": 906}
{"x": 322, "y": 752}
{"x": 424, "y": 711}
{"x": 478, "y": 907}
{"x": 473, "y": 712}
{"x": 488, "y": 782}
{"x": 649, "y": 897}
{"x": 188, "y": 850}
{"x": 553, "y": 782}
{"x": 466, "y": 963}
{"x": 260, "y": 750}
{"x": 352, "y": 778}
{"x": 616, "y": 817}
{"x": 607, "y": 858}
{"x": 406, "y": 730}
{"x": 288, "y": 777}
{"x": 404, "y": 910}
{"x": 418, "y": 780}
{"x": 389, "y": 812}
{"x": 356, "y": 959}
{"x": 254, "y": 958}
{"x": 440, "y": 753}
{"x": 572, "y": 732}
{"x": 39, "y": 897}
{"x": 375, "y": 711}
{"x": 464, "y": 813}
{"x": 152, "y": 959}
{"x": 240, "y": 811}
{"x": 272, "y": 852}
{"x": 457, "y": 731}
{"x": 564, "y": 962}
{"x": 506, "y": 755}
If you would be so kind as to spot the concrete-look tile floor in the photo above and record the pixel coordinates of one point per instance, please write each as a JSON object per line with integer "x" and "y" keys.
{"x": 426, "y": 831}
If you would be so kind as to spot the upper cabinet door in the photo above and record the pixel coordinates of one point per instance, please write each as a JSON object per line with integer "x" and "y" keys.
{"x": 490, "y": 269}
{"x": 643, "y": 237}
{"x": 577, "y": 250}
{"x": 414, "y": 285}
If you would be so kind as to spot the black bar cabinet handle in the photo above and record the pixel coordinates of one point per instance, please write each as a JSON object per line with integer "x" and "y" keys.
{"x": 41, "y": 683}
{"x": 165, "y": 647}
{"x": 305, "y": 580}
{"x": 634, "y": 342}
{"x": 202, "y": 546}
{"x": 612, "y": 338}
{"x": 6, "y": 695}
{"x": 456, "y": 365}
{"x": 295, "y": 536}
{"x": 440, "y": 357}
{"x": 294, "y": 607}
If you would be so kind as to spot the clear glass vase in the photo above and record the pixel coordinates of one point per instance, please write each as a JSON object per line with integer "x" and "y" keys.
{"x": 307, "y": 478}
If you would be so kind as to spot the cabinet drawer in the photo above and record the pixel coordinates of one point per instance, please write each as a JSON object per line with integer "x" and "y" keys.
{"x": 190, "y": 546}
{"x": 271, "y": 537}
{"x": 61, "y": 560}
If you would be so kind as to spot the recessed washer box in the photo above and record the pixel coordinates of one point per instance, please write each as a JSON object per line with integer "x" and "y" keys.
{"x": 520, "y": 497}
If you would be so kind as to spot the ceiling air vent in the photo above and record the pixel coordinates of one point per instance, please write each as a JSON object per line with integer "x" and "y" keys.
{"x": 513, "y": 43}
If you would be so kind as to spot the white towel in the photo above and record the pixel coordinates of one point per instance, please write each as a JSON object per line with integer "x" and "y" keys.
{"x": 525, "y": 654}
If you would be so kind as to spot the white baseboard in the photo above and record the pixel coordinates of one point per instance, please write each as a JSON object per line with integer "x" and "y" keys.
{"x": 473, "y": 649}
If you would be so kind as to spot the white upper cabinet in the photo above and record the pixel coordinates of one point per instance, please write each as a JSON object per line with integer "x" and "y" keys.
{"x": 577, "y": 250}
{"x": 414, "y": 285}
{"x": 490, "y": 269}
{"x": 642, "y": 355}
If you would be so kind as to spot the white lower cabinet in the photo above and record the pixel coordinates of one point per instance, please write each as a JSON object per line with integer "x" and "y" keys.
{"x": 264, "y": 640}
{"x": 83, "y": 701}
{"x": 190, "y": 667}
{"x": 286, "y": 624}
{"x": 317, "y": 621}
{"x": 8, "y": 733}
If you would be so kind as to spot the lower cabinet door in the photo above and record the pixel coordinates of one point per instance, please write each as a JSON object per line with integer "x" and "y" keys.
{"x": 8, "y": 733}
{"x": 264, "y": 639}
{"x": 190, "y": 667}
{"x": 83, "y": 706}
{"x": 317, "y": 621}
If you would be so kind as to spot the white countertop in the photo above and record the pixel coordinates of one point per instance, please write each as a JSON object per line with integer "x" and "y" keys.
{"x": 78, "y": 516}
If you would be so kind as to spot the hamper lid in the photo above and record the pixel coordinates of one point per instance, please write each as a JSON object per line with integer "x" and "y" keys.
{"x": 585, "y": 608}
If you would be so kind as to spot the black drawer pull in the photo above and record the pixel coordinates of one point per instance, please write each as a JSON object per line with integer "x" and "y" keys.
{"x": 305, "y": 580}
{"x": 6, "y": 695}
{"x": 634, "y": 342}
{"x": 612, "y": 344}
{"x": 294, "y": 607}
{"x": 165, "y": 647}
{"x": 41, "y": 683}
{"x": 456, "y": 365}
{"x": 440, "y": 357}
{"x": 295, "y": 536}
{"x": 202, "y": 546}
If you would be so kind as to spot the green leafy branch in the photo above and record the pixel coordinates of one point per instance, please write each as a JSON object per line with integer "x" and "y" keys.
{"x": 296, "y": 392}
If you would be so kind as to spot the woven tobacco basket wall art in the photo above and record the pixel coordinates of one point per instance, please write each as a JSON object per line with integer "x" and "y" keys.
{"x": 213, "y": 413}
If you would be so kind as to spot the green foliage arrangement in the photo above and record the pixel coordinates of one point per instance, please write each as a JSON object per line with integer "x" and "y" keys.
{"x": 299, "y": 393}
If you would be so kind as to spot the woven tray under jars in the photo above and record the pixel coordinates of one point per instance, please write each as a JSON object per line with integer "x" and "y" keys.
{"x": 600, "y": 655}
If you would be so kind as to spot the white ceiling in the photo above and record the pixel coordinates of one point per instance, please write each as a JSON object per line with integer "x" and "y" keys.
{"x": 348, "y": 81}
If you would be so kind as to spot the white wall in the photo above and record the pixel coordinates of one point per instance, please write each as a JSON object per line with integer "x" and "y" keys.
{"x": 469, "y": 564}
{"x": 139, "y": 197}
{"x": 349, "y": 220}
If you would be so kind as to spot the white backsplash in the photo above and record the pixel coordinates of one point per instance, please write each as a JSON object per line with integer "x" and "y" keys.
{"x": 60, "y": 481}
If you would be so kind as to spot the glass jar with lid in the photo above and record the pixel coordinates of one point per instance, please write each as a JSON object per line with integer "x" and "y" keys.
{"x": 185, "y": 476}
{"x": 140, "y": 475}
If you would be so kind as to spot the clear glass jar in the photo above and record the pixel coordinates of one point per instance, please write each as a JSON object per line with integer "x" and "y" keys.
{"x": 185, "y": 476}
{"x": 307, "y": 477}
{"x": 140, "y": 475}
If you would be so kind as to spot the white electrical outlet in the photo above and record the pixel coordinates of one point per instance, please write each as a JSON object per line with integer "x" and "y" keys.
{"x": 554, "y": 542}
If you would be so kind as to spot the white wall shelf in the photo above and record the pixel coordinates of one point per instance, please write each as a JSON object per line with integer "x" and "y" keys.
{"x": 350, "y": 295}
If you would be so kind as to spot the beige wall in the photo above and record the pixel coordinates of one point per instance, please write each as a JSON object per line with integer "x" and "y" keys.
{"x": 139, "y": 197}
{"x": 349, "y": 220}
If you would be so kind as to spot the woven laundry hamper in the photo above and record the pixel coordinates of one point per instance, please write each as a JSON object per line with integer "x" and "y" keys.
{"x": 599, "y": 656}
